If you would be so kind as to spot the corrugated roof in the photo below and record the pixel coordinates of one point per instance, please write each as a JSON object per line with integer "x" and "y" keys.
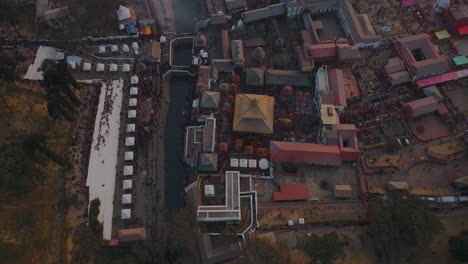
{"x": 263, "y": 13}
{"x": 291, "y": 192}
{"x": 284, "y": 77}
{"x": 321, "y": 52}
{"x": 304, "y": 153}
{"x": 132, "y": 234}
{"x": 423, "y": 106}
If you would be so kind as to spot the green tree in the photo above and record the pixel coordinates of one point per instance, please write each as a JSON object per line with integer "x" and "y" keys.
{"x": 323, "y": 249}
{"x": 7, "y": 67}
{"x": 94, "y": 223}
{"x": 92, "y": 14}
{"x": 459, "y": 246}
{"x": 9, "y": 13}
{"x": 258, "y": 251}
{"x": 402, "y": 228}
{"x": 60, "y": 87}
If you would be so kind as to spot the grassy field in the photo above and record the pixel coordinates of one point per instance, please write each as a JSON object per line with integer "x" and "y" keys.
{"x": 29, "y": 223}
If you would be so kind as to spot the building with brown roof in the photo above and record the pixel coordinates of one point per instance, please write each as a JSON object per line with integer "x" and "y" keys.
{"x": 132, "y": 234}
{"x": 291, "y": 192}
{"x": 347, "y": 54}
{"x": 225, "y": 44}
{"x": 455, "y": 19}
{"x": 343, "y": 191}
{"x": 253, "y": 113}
{"x": 203, "y": 79}
{"x": 330, "y": 84}
{"x": 421, "y": 106}
{"x": 286, "y": 77}
{"x": 326, "y": 52}
{"x": 304, "y": 58}
{"x": 399, "y": 77}
{"x": 348, "y": 142}
{"x": 304, "y": 153}
{"x": 420, "y": 56}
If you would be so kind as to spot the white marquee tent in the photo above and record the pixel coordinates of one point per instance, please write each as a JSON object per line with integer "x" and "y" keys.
{"x": 72, "y": 64}
{"x": 132, "y": 102}
{"x": 131, "y": 113}
{"x": 133, "y": 91}
{"x": 135, "y": 46}
{"x": 125, "y": 48}
{"x": 126, "y": 214}
{"x": 102, "y": 49}
{"x": 126, "y": 67}
{"x": 134, "y": 79}
{"x": 59, "y": 56}
{"x": 263, "y": 164}
{"x": 114, "y": 48}
{"x": 86, "y": 66}
{"x": 113, "y": 67}
{"x": 129, "y": 141}
{"x": 100, "y": 67}
{"x": 130, "y": 128}
{"x": 128, "y": 170}
{"x": 128, "y": 155}
{"x": 123, "y": 13}
{"x": 126, "y": 198}
{"x": 127, "y": 184}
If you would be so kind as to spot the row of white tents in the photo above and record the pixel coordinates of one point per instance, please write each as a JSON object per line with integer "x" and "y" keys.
{"x": 100, "y": 67}
{"x": 126, "y": 213}
{"x": 115, "y": 48}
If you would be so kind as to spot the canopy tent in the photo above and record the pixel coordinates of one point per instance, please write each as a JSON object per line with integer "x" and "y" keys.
{"x": 125, "y": 48}
{"x": 243, "y": 163}
{"x": 128, "y": 155}
{"x": 252, "y": 163}
{"x": 126, "y": 67}
{"x": 132, "y": 114}
{"x": 128, "y": 170}
{"x": 133, "y": 91}
{"x": 125, "y": 214}
{"x": 60, "y": 56}
{"x": 127, "y": 184}
{"x": 441, "y": 35}
{"x": 129, "y": 141}
{"x": 263, "y": 164}
{"x": 131, "y": 29}
{"x": 135, "y": 46}
{"x": 130, "y": 128}
{"x": 134, "y": 79}
{"x": 126, "y": 198}
{"x": 132, "y": 102}
{"x": 123, "y": 13}
{"x": 72, "y": 64}
{"x": 86, "y": 66}
{"x": 460, "y": 60}
{"x": 114, "y": 48}
{"x": 113, "y": 67}
{"x": 100, "y": 67}
{"x": 146, "y": 31}
{"x": 136, "y": 52}
{"x": 162, "y": 39}
{"x": 102, "y": 49}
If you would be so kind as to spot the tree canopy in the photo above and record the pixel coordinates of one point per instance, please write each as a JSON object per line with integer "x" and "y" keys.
{"x": 258, "y": 250}
{"x": 459, "y": 246}
{"x": 402, "y": 227}
{"x": 60, "y": 86}
{"x": 7, "y": 67}
{"x": 323, "y": 249}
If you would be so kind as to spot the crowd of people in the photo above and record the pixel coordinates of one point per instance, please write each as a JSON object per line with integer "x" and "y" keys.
{"x": 107, "y": 110}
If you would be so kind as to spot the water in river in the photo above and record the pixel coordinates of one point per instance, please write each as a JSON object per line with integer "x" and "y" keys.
{"x": 185, "y": 12}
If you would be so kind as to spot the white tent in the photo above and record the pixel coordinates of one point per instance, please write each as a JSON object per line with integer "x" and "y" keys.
{"x": 162, "y": 39}
{"x": 132, "y": 102}
{"x": 134, "y": 79}
{"x": 100, "y": 67}
{"x": 127, "y": 184}
{"x": 125, "y": 48}
{"x": 113, "y": 67}
{"x": 126, "y": 198}
{"x": 130, "y": 141}
{"x": 209, "y": 190}
{"x": 121, "y": 26}
{"x": 126, "y": 214}
{"x": 133, "y": 91}
{"x": 128, "y": 170}
{"x": 86, "y": 66}
{"x": 102, "y": 49}
{"x": 131, "y": 113}
{"x": 263, "y": 164}
{"x": 135, "y": 46}
{"x": 252, "y": 163}
{"x": 128, "y": 155}
{"x": 123, "y": 13}
{"x": 243, "y": 163}
{"x": 59, "y": 56}
{"x": 114, "y": 48}
{"x": 72, "y": 64}
{"x": 130, "y": 128}
{"x": 137, "y": 52}
{"x": 126, "y": 67}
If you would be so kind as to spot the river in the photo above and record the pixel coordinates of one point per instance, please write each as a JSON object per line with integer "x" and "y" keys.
{"x": 185, "y": 12}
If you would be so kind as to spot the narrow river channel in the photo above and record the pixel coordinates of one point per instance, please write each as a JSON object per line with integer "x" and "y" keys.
{"x": 185, "y": 12}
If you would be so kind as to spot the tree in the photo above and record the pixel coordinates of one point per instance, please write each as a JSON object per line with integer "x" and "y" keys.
{"x": 94, "y": 223}
{"x": 9, "y": 14}
{"x": 257, "y": 251}
{"x": 323, "y": 249}
{"x": 459, "y": 246}
{"x": 60, "y": 87}
{"x": 402, "y": 227}
{"x": 258, "y": 54}
{"x": 7, "y": 67}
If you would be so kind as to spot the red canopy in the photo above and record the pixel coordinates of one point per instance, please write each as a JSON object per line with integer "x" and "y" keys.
{"x": 463, "y": 30}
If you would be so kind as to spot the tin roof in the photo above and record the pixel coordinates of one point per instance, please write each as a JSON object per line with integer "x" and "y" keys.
{"x": 304, "y": 153}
